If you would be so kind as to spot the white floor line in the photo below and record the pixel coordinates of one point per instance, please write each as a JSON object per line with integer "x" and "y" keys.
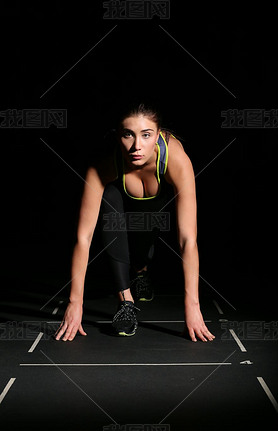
{"x": 32, "y": 348}
{"x": 5, "y": 390}
{"x": 237, "y": 340}
{"x": 127, "y": 365}
{"x": 268, "y": 393}
{"x": 55, "y": 310}
{"x": 165, "y": 321}
{"x": 175, "y": 294}
{"x": 217, "y": 306}
{"x": 149, "y": 321}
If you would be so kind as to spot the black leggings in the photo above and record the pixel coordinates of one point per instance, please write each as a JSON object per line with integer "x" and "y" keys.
{"x": 125, "y": 246}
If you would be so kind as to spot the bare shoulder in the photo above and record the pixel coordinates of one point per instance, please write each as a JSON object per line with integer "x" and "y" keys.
{"x": 179, "y": 164}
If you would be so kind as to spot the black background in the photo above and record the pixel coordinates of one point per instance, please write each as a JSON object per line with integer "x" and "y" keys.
{"x": 236, "y": 192}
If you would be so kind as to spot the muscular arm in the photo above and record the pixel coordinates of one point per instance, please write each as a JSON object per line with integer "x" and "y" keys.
{"x": 89, "y": 211}
{"x": 181, "y": 175}
{"x": 96, "y": 179}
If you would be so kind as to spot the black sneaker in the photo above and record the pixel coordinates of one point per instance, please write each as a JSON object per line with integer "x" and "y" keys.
{"x": 124, "y": 322}
{"x": 141, "y": 287}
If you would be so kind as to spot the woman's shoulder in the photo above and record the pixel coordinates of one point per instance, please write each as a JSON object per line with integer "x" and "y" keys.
{"x": 171, "y": 139}
{"x": 178, "y": 160}
{"x": 174, "y": 145}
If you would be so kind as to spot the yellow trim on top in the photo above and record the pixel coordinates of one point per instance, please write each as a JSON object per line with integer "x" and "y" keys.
{"x": 166, "y": 159}
{"x": 157, "y": 166}
{"x": 157, "y": 174}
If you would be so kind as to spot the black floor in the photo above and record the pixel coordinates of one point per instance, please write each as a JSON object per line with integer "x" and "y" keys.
{"x": 156, "y": 380}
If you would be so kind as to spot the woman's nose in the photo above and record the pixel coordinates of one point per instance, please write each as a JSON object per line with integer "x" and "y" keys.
{"x": 137, "y": 143}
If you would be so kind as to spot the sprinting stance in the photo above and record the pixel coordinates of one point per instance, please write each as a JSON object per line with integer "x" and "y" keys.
{"x": 134, "y": 179}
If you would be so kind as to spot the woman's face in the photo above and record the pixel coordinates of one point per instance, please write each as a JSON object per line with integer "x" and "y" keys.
{"x": 138, "y": 136}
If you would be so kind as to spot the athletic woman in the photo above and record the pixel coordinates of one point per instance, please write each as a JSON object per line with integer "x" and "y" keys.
{"x": 132, "y": 180}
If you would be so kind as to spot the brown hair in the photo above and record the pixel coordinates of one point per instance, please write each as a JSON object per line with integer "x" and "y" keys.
{"x": 133, "y": 109}
{"x": 146, "y": 109}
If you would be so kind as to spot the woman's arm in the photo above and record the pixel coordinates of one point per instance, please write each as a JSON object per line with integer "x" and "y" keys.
{"x": 181, "y": 176}
{"x": 96, "y": 179}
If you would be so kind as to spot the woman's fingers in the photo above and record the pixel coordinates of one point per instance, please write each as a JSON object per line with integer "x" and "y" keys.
{"x": 200, "y": 335}
{"x": 73, "y": 332}
{"x": 81, "y": 330}
{"x": 192, "y": 334}
{"x": 65, "y": 331}
{"x": 60, "y": 331}
{"x": 69, "y": 331}
{"x": 71, "y": 323}
{"x": 203, "y": 334}
{"x": 207, "y": 333}
{"x": 210, "y": 336}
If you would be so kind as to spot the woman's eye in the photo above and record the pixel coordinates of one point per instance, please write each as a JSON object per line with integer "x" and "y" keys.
{"x": 129, "y": 135}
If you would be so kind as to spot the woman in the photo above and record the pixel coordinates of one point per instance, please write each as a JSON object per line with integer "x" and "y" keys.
{"x": 133, "y": 179}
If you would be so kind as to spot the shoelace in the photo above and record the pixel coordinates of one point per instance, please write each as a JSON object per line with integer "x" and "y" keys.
{"x": 126, "y": 312}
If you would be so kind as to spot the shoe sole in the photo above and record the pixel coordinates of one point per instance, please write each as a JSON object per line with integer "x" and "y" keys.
{"x": 124, "y": 334}
{"x": 146, "y": 299}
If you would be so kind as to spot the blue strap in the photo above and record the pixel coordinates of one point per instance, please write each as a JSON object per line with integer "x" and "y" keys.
{"x": 162, "y": 161}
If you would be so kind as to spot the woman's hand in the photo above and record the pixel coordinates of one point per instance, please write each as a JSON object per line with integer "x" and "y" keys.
{"x": 71, "y": 322}
{"x": 195, "y": 325}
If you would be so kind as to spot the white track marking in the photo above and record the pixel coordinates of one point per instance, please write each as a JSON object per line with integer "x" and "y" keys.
{"x": 143, "y": 321}
{"x": 217, "y": 306}
{"x": 55, "y": 310}
{"x": 32, "y": 348}
{"x": 125, "y": 365}
{"x": 149, "y": 321}
{"x": 268, "y": 393}
{"x": 5, "y": 390}
{"x": 237, "y": 340}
